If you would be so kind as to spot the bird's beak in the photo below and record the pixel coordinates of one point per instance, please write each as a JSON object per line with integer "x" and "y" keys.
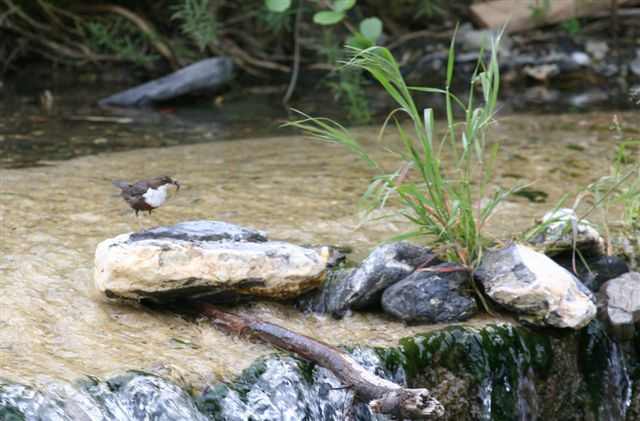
{"x": 177, "y": 183}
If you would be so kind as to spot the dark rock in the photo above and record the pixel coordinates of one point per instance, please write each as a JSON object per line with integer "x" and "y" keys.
{"x": 327, "y": 298}
{"x": 203, "y": 75}
{"x": 201, "y": 231}
{"x": 363, "y": 287}
{"x": 431, "y": 296}
{"x": 534, "y": 286}
{"x": 619, "y": 305}
{"x": 597, "y": 271}
{"x": 334, "y": 256}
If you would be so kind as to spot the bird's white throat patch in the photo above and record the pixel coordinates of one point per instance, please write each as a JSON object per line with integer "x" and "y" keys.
{"x": 156, "y": 197}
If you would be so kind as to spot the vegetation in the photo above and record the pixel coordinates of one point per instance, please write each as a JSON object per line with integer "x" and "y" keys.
{"x": 620, "y": 189}
{"x": 448, "y": 204}
{"x": 266, "y": 39}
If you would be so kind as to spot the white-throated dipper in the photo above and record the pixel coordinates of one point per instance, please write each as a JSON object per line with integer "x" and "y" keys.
{"x": 146, "y": 195}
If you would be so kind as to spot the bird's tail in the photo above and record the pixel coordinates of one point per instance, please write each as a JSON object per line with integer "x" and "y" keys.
{"x": 122, "y": 184}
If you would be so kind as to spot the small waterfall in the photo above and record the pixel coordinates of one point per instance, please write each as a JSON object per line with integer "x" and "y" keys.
{"x": 606, "y": 373}
{"x": 498, "y": 372}
{"x": 278, "y": 387}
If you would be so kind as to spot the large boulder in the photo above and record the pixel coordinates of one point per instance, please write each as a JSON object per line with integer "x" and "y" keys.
{"x": 204, "y": 258}
{"x": 535, "y": 287}
{"x": 435, "y": 295}
{"x": 619, "y": 305}
{"x": 363, "y": 287}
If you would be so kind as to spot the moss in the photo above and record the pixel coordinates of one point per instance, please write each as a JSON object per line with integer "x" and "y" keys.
{"x": 594, "y": 349}
{"x": 488, "y": 365}
{"x": 118, "y": 382}
{"x": 210, "y": 402}
{"x": 10, "y": 413}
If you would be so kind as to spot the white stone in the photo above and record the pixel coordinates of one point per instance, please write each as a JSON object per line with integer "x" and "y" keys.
{"x": 535, "y": 287}
{"x": 163, "y": 268}
{"x": 565, "y": 228}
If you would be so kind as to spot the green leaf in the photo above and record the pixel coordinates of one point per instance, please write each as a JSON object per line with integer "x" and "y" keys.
{"x": 278, "y": 6}
{"x": 359, "y": 41}
{"x": 343, "y": 5}
{"x": 371, "y": 28}
{"x": 327, "y": 17}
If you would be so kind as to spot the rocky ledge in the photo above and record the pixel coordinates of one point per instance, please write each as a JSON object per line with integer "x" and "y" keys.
{"x": 221, "y": 261}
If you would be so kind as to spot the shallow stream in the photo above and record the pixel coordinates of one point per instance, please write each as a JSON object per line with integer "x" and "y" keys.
{"x": 55, "y": 327}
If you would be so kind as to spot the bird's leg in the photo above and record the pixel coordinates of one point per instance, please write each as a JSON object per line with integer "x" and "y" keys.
{"x": 138, "y": 219}
{"x": 151, "y": 219}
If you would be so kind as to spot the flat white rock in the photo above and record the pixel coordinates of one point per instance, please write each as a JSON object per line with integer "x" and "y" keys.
{"x": 187, "y": 259}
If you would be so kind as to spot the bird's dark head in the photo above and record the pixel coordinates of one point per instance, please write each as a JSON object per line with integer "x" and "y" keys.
{"x": 161, "y": 180}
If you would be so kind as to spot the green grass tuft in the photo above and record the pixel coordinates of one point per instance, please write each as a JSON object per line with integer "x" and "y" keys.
{"x": 447, "y": 206}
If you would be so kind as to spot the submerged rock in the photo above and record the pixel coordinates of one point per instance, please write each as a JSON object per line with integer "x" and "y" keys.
{"x": 363, "y": 287}
{"x": 565, "y": 229}
{"x": 535, "y": 287}
{"x": 204, "y": 258}
{"x": 619, "y": 305}
{"x": 431, "y": 296}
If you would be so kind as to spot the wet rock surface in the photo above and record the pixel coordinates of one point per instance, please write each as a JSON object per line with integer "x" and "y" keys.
{"x": 619, "y": 305}
{"x": 597, "y": 270}
{"x": 431, "y": 296}
{"x": 204, "y": 259}
{"x": 497, "y": 371}
{"x": 535, "y": 287}
{"x": 363, "y": 287}
{"x": 201, "y": 231}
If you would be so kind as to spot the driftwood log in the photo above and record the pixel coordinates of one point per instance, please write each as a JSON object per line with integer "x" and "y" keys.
{"x": 382, "y": 395}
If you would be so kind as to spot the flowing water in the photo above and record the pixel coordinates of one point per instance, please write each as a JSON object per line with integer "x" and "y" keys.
{"x": 55, "y": 328}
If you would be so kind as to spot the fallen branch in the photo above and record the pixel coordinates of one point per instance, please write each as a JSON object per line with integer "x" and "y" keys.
{"x": 382, "y": 395}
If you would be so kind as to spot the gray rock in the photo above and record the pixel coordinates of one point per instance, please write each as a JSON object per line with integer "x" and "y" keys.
{"x": 385, "y": 266}
{"x": 201, "y": 231}
{"x": 598, "y": 49}
{"x": 206, "y": 74}
{"x": 363, "y": 287}
{"x": 197, "y": 259}
{"x": 431, "y": 296}
{"x": 597, "y": 271}
{"x": 619, "y": 305}
{"x": 542, "y": 72}
{"x": 564, "y": 229}
{"x": 580, "y": 58}
{"x": 535, "y": 287}
{"x": 634, "y": 66}
{"x": 327, "y": 298}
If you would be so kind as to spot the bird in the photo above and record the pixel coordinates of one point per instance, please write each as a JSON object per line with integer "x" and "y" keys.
{"x": 146, "y": 195}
